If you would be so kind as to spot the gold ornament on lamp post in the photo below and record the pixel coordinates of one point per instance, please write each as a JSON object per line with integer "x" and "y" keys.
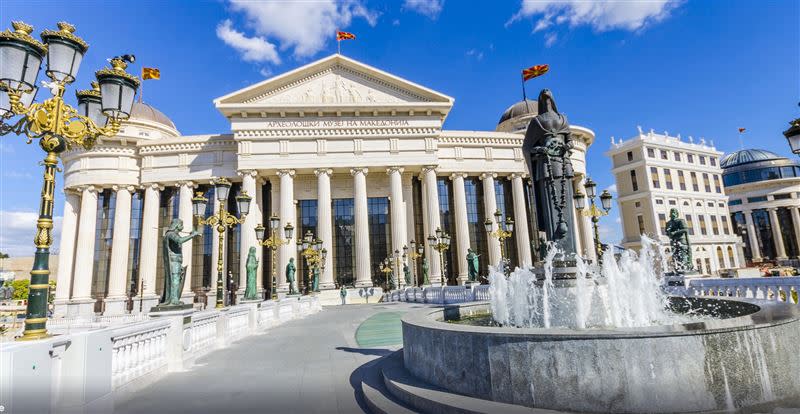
{"x": 57, "y": 125}
{"x": 501, "y": 234}
{"x": 273, "y": 242}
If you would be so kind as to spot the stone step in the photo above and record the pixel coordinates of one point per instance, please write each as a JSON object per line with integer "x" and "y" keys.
{"x": 376, "y": 396}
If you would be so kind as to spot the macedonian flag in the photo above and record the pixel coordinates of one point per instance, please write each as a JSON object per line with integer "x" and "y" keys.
{"x": 534, "y": 71}
{"x": 344, "y": 36}
{"x": 151, "y": 73}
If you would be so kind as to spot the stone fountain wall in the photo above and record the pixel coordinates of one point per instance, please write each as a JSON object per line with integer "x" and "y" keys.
{"x": 718, "y": 364}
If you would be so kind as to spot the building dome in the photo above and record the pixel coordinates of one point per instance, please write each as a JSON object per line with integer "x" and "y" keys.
{"x": 747, "y": 156}
{"x": 522, "y": 108}
{"x": 145, "y": 112}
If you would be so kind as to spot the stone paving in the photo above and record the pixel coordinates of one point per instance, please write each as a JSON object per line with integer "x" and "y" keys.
{"x": 311, "y": 365}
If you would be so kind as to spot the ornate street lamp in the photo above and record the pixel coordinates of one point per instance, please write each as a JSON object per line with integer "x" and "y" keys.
{"x": 793, "y": 135}
{"x": 222, "y": 221}
{"x": 504, "y": 230}
{"x": 397, "y": 268}
{"x": 417, "y": 250}
{"x": 440, "y": 242}
{"x": 386, "y": 267}
{"x": 593, "y": 212}
{"x": 272, "y": 243}
{"x": 309, "y": 248}
{"x": 57, "y": 125}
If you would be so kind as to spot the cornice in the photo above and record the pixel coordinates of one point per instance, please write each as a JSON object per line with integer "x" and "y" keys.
{"x": 187, "y": 146}
{"x": 334, "y": 132}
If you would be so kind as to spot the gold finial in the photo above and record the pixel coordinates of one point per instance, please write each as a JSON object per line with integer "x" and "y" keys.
{"x": 118, "y": 64}
{"x": 22, "y": 28}
{"x": 66, "y": 27}
{"x": 95, "y": 86}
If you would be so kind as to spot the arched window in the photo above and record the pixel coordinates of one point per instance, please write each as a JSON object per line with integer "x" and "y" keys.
{"x": 720, "y": 258}
{"x": 731, "y": 257}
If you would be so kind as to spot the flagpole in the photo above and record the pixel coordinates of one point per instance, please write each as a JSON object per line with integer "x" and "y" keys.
{"x": 524, "y": 97}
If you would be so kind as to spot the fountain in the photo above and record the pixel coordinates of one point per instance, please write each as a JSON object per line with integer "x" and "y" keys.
{"x": 568, "y": 335}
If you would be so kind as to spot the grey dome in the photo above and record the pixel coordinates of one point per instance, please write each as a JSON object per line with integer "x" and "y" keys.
{"x": 521, "y": 108}
{"x": 747, "y": 156}
{"x": 145, "y": 112}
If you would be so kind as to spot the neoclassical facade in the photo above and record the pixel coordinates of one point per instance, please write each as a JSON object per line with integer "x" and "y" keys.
{"x": 353, "y": 154}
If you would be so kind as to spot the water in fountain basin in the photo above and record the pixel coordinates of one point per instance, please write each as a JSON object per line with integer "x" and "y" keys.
{"x": 623, "y": 293}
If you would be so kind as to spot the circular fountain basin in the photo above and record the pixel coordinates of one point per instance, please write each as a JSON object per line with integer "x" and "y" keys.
{"x": 745, "y": 354}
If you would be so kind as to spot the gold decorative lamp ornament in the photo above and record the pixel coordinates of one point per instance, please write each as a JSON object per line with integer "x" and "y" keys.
{"x": 57, "y": 125}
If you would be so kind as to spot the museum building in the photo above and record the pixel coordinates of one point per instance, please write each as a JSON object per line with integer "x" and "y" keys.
{"x": 355, "y": 155}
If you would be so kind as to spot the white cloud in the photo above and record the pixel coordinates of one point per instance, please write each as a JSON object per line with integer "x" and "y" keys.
{"x": 475, "y": 53}
{"x": 550, "y": 39}
{"x": 612, "y": 188}
{"x": 429, "y": 8}
{"x": 600, "y": 15}
{"x": 18, "y": 175}
{"x": 305, "y": 27}
{"x": 17, "y": 229}
{"x": 265, "y": 72}
{"x": 253, "y": 49}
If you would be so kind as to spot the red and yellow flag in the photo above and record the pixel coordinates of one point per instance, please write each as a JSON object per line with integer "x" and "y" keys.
{"x": 151, "y": 73}
{"x": 344, "y": 36}
{"x": 534, "y": 71}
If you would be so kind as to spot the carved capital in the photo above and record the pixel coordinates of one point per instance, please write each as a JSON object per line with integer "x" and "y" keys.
{"x": 189, "y": 184}
{"x": 354, "y": 171}
{"x": 520, "y": 175}
{"x": 426, "y": 169}
{"x": 242, "y": 173}
{"x": 153, "y": 186}
{"x": 455, "y": 175}
{"x": 486, "y": 175}
{"x": 395, "y": 169}
{"x": 290, "y": 173}
{"x": 323, "y": 171}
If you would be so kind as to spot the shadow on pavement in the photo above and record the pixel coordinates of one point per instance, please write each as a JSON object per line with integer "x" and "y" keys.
{"x": 365, "y": 351}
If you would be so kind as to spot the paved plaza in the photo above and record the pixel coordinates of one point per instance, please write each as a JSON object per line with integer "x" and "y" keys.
{"x": 311, "y": 365}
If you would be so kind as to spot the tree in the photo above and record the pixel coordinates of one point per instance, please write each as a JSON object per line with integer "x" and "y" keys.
{"x": 3, "y": 255}
{"x": 21, "y": 288}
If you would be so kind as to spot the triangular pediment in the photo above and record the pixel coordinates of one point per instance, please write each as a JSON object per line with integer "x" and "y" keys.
{"x": 332, "y": 81}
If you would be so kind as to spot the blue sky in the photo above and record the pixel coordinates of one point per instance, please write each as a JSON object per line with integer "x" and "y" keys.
{"x": 700, "y": 68}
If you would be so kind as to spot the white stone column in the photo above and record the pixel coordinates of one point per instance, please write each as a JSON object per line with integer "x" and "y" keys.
{"x": 120, "y": 244}
{"x": 433, "y": 222}
{"x": 751, "y": 235}
{"x": 361, "y": 213}
{"x": 66, "y": 251}
{"x": 186, "y": 216}
{"x": 287, "y": 214}
{"x": 259, "y": 217}
{"x": 521, "y": 221}
{"x": 149, "y": 246}
{"x": 82, "y": 301}
{"x": 777, "y": 235}
{"x": 461, "y": 225}
{"x": 247, "y": 234}
{"x": 490, "y": 207}
{"x": 325, "y": 225}
{"x": 796, "y": 224}
{"x": 408, "y": 203}
{"x": 397, "y": 205}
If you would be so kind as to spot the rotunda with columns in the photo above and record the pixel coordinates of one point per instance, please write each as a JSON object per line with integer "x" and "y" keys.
{"x": 353, "y": 154}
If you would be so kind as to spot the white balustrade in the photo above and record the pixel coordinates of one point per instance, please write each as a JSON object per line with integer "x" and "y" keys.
{"x": 779, "y": 289}
{"x": 137, "y": 350}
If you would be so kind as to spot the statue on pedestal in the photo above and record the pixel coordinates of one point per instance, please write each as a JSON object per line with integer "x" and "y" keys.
{"x": 252, "y": 267}
{"x": 407, "y": 274}
{"x": 315, "y": 281}
{"x": 175, "y": 272}
{"x": 678, "y": 234}
{"x": 425, "y": 268}
{"x": 290, "y": 269}
{"x": 472, "y": 265}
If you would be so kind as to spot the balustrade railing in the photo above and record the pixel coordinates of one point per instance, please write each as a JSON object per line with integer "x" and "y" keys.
{"x": 237, "y": 322}
{"x": 780, "y": 289}
{"x": 138, "y": 350}
{"x": 203, "y": 332}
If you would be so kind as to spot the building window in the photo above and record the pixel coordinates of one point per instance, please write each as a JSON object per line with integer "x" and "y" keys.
{"x": 720, "y": 258}
{"x": 306, "y": 221}
{"x": 640, "y": 221}
{"x": 706, "y": 183}
{"x": 637, "y": 204}
{"x": 725, "y": 227}
{"x": 721, "y": 205}
{"x": 714, "y": 225}
{"x": 104, "y": 235}
{"x": 654, "y": 176}
{"x": 734, "y": 202}
{"x": 781, "y": 196}
{"x": 763, "y": 227}
{"x": 702, "y": 160}
{"x": 419, "y": 221}
{"x": 703, "y": 229}
{"x": 717, "y": 185}
{"x": 659, "y": 201}
{"x": 677, "y": 156}
{"x": 202, "y": 247}
{"x": 740, "y": 229}
{"x": 672, "y": 202}
{"x": 756, "y": 199}
{"x": 713, "y": 161}
{"x": 662, "y": 223}
{"x": 380, "y": 234}
{"x": 681, "y": 180}
{"x": 634, "y": 183}
{"x": 731, "y": 257}
{"x": 710, "y": 204}
{"x": 787, "y": 231}
{"x": 445, "y": 190}
{"x": 169, "y": 206}
{"x": 695, "y": 187}
{"x": 233, "y": 241}
{"x": 668, "y": 178}
{"x": 651, "y": 153}
{"x": 664, "y": 155}
{"x": 473, "y": 190}
{"x": 690, "y": 224}
{"x": 343, "y": 241}
{"x": 134, "y": 248}
{"x": 266, "y": 254}
{"x": 630, "y": 155}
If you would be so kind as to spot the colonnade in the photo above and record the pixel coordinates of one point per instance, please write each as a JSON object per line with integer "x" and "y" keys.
{"x": 777, "y": 232}
{"x": 74, "y": 279}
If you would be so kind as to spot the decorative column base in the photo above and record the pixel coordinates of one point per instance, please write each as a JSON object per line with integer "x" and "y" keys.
{"x": 60, "y": 308}
{"x": 363, "y": 283}
{"x": 327, "y": 286}
{"x": 81, "y": 308}
{"x": 116, "y": 306}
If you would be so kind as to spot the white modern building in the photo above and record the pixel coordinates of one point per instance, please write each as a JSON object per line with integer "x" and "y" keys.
{"x": 354, "y": 154}
{"x": 656, "y": 173}
{"x": 764, "y": 191}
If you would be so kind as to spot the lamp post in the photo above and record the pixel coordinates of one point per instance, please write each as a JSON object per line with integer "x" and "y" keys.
{"x": 440, "y": 242}
{"x": 501, "y": 234}
{"x": 272, "y": 243}
{"x": 793, "y": 135}
{"x": 397, "y": 268}
{"x": 386, "y": 268}
{"x": 57, "y": 125}
{"x": 309, "y": 248}
{"x": 417, "y": 250}
{"x": 222, "y": 221}
{"x": 593, "y": 212}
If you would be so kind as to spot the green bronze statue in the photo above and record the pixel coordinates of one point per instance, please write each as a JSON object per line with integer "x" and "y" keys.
{"x": 290, "y": 269}
{"x": 407, "y": 274}
{"x": 175, "y": 272}
{"x": 678, "y": 234}
{"x": 315, "y": 281}
{"x": 252, "y": 267}
{"x": 472, "y": 265}
{"x": 425, "y": 268}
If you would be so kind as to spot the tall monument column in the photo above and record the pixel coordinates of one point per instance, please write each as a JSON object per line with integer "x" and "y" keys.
{"x": 777, "y": 234}
{"x": 398, "y": 207}
{"x": 521, "y": 221}
{"x": 82, "y": 301}
{"x": 287, "y": 214}
{"x": 751, "y": 234}
{"x": 461, "y": 224}
{"x": 120, "y": 244}
{"x": 325, "y": 225}
{"x": 490, "y": 207}
{"x": 66, "y": 256}
{"x": 433, "y": 222}
{"x": 187, "y": 217}
{"x": 149, "y": 249}
{"x": 361, "y": 213}
{"x": 248, "y": 230}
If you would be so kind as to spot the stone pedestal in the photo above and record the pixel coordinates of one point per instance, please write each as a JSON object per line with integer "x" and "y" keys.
{"x": 179, "y": 336}
{"x": 115, "y": 306}
{"x": 146, "y": 303}
{"x": 60, "y": 308}
{"x": 80, "y": 308}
